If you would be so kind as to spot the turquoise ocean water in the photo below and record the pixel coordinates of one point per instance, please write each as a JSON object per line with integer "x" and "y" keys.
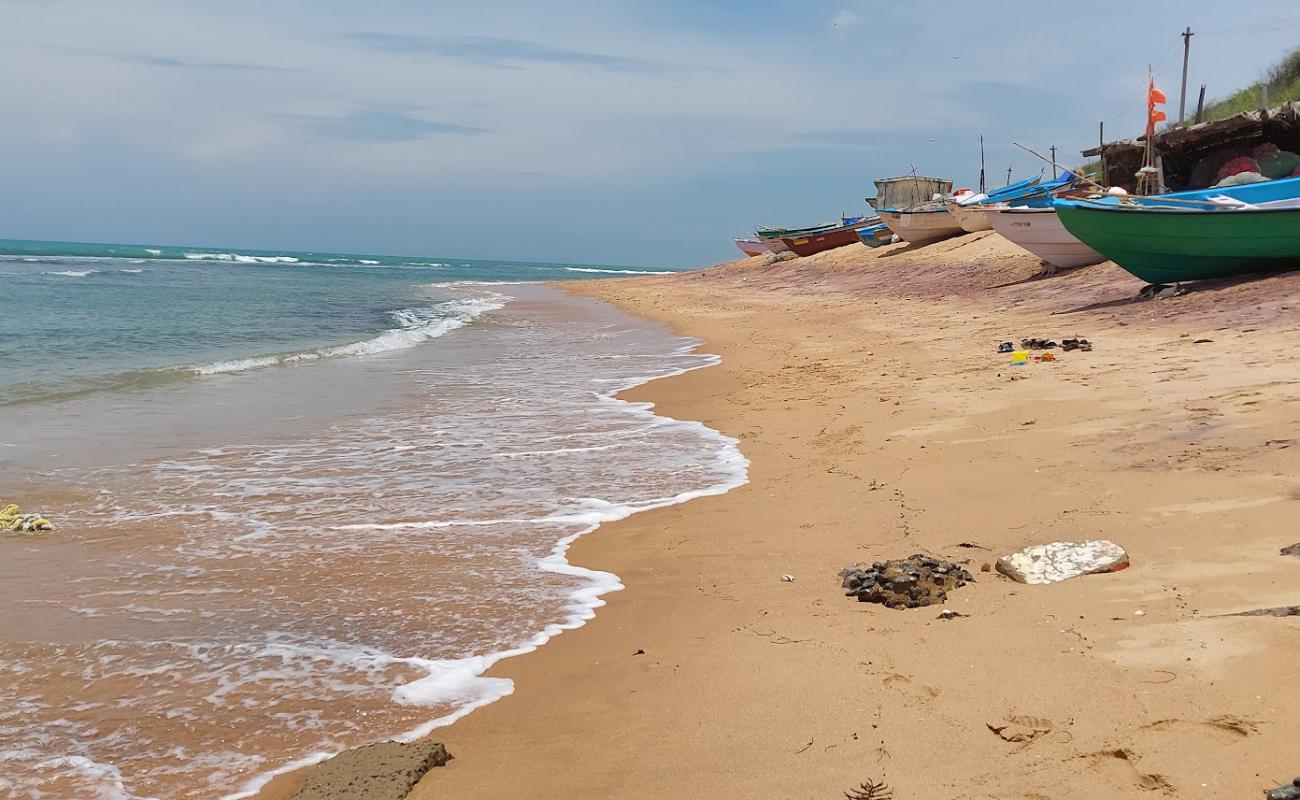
{"x": 303, "y": 501}
{"x": 99, "y": 317}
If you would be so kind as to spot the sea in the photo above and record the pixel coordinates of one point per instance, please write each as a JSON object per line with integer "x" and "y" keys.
{"x": 303, "y": 501}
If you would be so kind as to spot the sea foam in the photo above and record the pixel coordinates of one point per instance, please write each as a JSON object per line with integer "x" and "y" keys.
{"x": 360, "y": 577}
{"x": 619, "y": 271}
{"x": 240, "y": 258}
{"x": 414, "y": 325}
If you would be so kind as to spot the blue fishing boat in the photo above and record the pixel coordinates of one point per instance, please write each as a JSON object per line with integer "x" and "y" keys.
{"x": 970, "y": 211}
{"x": 876, "y": 235}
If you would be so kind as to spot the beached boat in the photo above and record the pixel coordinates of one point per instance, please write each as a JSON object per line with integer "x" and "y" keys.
{"x": 877, "y": 235}
{"x": 913, "y": 208}
{"x": 969, "y": 211}
{"x": 1162, "y": 243}
{"x": 971, "y": 218}
{"x": 1040, "y": 232}
{"x": 772, "y": 237}
{"x": 813, "y": 243}
{"x": 906, "y": 191}
{"x": 753, "y": 247}
{"x": 922, "y": 224}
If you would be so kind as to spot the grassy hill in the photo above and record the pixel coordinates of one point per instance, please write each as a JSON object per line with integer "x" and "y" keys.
{"x": 1282, "y": 80}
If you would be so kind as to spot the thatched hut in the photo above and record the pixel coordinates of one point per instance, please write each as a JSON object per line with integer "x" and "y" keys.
{"x": 1192, "y": 155}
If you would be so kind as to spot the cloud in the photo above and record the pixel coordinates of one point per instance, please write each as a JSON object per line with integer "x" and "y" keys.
{"x": 183, "y": 63}
{"x": 172, "y": 62}
{"x": 503, "y": 52}
{"x": 378, "y": 125}
{"x": 846, "y": 19}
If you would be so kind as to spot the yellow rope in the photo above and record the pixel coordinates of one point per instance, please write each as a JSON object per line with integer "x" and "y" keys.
{"x": 11, "y": 519}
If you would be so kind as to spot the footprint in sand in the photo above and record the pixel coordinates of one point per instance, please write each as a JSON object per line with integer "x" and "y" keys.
{"x": 1147, "y": 781}
{"x": 1229, "y": 726}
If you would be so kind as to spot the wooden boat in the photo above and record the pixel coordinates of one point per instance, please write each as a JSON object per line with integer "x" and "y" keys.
{"x": 969, "y": 211}
{"x": 1193, "y": 235}
{"x": 773, "y": 237}
{"x": 923, "y": 224}
{"x": 1167, "y": 245}
{"x": 813, "y": 243}
{"x": 1040, "y": 232}
{"x": 877, "y": 235}
{"x": 753, "y": 247}
{"x": 907, "y": 191}
{"x": 971, "y": 217}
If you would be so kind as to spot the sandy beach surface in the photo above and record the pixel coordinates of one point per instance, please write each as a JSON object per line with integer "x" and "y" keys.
{"x": 866, "y": 389}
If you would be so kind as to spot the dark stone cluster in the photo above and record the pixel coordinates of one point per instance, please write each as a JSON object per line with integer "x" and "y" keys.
{"x": 913, "y": 582}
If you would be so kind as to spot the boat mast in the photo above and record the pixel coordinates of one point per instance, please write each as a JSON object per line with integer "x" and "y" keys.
{"x": 982, "y": 163}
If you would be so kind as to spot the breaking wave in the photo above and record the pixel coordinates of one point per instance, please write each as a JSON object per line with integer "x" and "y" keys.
{"x": 619, "y": 271}
{"x": 414, "y": 325}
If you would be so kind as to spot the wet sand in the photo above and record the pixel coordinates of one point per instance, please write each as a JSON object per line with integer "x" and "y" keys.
{"x": 866, "y": 390}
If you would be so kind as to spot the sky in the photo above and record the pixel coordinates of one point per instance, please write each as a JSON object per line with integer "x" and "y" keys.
{"x": 639, "y": 132}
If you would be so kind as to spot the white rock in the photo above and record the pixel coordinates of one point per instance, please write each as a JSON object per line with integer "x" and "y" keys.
{"x": 1058, "y": 561}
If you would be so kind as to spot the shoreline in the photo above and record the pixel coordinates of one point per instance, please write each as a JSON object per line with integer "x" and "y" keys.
{"x": 878, "y": 424}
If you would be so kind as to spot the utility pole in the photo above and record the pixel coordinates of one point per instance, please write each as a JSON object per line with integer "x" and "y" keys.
{"x": 1101, "y": 146}
{"x": 1182, "y": 99}
{"x": 1008, "y": 176}
{"x": 1200, "y": 106}
{"x": 1053, "y": 161}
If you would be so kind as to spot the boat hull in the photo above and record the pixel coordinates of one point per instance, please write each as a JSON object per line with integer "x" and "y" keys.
{"x": 922, "y": 227}
{"x": 1167, "y": 246}
{"x": 1039, "y": 231}
{"x": 753, "y": 247}
{"x": 876, "y": 236}
{"x": 972, "y": 218}
{"x": 821, "y": 242}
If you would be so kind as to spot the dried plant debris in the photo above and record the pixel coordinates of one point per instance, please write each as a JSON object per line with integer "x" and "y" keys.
{"x": 1293, "y": 550}
{"x": 913, "y": 582}
{"x": 870, "y": 791}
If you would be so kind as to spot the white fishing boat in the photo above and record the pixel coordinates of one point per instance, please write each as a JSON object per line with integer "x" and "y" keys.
{"x": 970, "y": 216}
{"x": 922, "y": 226}
{"x": 753, "y": 247}
{"x": 1039, "y": 231}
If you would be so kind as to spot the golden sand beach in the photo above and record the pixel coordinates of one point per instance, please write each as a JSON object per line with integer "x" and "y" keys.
{"x": 866, "y": 389}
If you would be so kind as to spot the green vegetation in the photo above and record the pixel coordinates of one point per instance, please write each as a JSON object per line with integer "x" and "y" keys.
{"x": 1282, "y": 80}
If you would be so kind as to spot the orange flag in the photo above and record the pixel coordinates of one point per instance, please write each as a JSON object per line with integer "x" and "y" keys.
{"x": 1155, "y": 97}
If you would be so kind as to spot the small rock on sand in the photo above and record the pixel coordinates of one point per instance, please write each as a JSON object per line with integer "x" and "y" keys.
{"x": 1058, "y": 561}
{"x": 376, "y": 772}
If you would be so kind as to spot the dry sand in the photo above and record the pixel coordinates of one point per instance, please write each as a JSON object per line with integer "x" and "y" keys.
{"x": 865, "y": 387}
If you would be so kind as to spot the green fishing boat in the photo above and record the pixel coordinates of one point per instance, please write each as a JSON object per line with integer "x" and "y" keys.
{"x": 1168, "y": 245}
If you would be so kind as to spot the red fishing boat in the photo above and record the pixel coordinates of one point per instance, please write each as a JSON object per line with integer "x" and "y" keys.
{"x": 846, "y": 234}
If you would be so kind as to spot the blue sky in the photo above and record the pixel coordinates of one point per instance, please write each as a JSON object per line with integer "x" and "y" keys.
{"x": 618, "y": 132}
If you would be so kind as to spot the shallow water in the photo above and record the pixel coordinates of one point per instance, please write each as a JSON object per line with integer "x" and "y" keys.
{"x": 271, "y": 564}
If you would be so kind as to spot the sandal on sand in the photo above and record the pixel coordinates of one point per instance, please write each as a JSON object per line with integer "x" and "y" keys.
{"x": 1006, "y": 347}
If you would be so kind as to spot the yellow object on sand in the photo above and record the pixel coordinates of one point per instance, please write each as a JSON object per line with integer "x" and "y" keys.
{"x": 12, "y": 519}
{"x": 1020, "y": 357}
